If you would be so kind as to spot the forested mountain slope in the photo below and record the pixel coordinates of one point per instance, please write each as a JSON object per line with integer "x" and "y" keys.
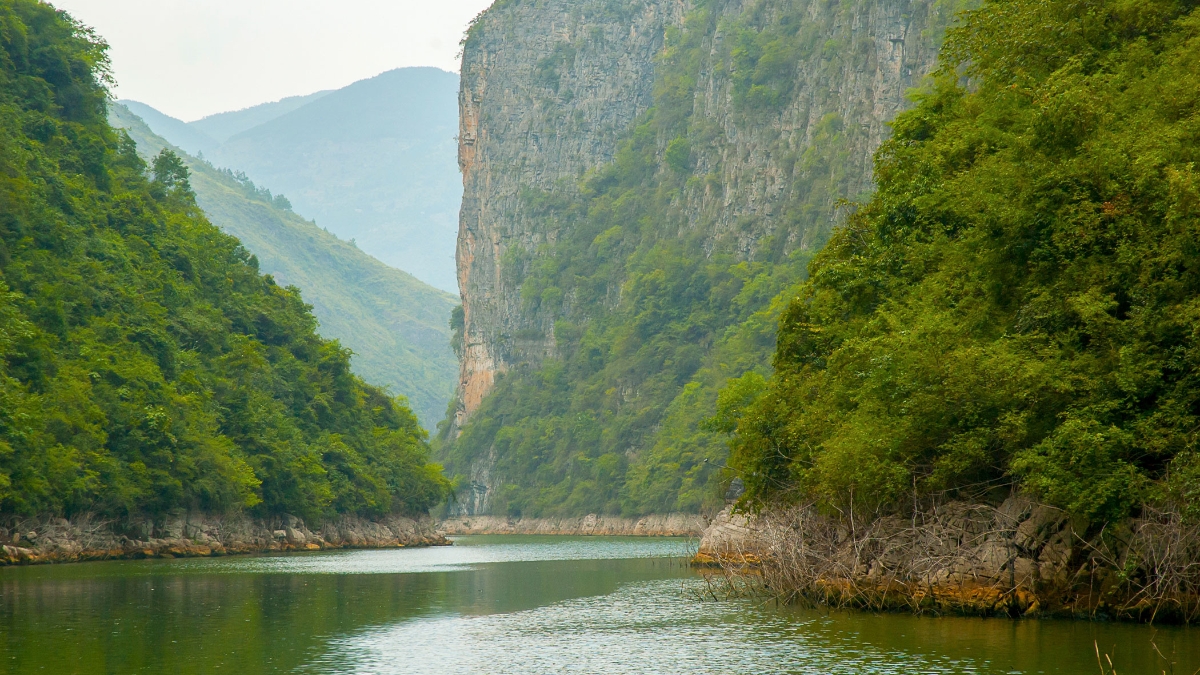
{"x": 148, "y": 366}
{"x": 396, "y": 325}
{"x": 1018, "y": 304}
{"x": 372, "y": 162}
{"x": 638, "y": 204}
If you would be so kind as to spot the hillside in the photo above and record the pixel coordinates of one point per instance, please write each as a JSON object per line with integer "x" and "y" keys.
{"x": 396, "y": 325}
{"x": 639, "y": 206}
{"x": 1017, "y": 305}
{"x": 182, "y": 135}
{"x": 148, "y": 366}
{"x": 372, "y": 162}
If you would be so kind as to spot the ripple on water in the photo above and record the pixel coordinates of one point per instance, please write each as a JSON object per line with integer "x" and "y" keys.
{"x": 468, "y": 552}
{"x": 649, "y": 627}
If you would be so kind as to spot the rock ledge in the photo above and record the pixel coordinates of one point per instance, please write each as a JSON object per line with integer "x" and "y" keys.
{"x": 51, "y": 540}
{"x": 667, "y": 525}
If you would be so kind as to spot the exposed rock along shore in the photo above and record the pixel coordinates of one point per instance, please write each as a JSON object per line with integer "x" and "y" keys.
{"x": 84, "y": 538}
{"x": 1020, "y": 558}
{"x": 667, "y": 525}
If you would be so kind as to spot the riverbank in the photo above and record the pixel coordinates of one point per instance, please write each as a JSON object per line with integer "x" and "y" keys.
{"x": 1020, "y": 558}
{"x": 665, "y": 525}
{"x": 52, "y": 540}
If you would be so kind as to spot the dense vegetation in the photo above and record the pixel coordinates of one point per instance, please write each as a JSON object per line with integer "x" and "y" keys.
{"x": 147, "y": 365}
{"x": 655, "y": 307}
{"x": 395, "y": 324}
{"x": 1020, "y": 301}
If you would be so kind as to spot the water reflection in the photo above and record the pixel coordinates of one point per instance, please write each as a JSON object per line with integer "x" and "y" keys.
{"x": 499, "y": 605}
{"x": 658, "y": 627}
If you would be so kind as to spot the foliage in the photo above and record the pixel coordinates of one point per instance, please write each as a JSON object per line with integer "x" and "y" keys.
{"x": 395, "y": 324}
{"x": 652, "y": 307}
{"x": 1019, "y": 300}
{"x": 254, "y": 192}
{"x": 146, "y": 365}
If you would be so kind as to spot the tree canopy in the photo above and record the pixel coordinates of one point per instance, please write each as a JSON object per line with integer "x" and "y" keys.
{"x": 1019, "y": 303}
{"x": 145, "y": 364}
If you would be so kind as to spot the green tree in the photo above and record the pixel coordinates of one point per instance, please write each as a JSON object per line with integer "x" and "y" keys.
{"x": 170, "y": 171}
{"x": 1018, "y": 302}
{"x": 145, "y": 365}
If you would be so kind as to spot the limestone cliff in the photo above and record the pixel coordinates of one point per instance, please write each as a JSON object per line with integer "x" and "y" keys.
{"x": 547, "y": 90}
{"x": 733, "y": 126}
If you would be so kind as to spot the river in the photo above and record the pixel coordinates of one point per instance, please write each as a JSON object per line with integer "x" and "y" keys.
{"x": 504, "y": 604}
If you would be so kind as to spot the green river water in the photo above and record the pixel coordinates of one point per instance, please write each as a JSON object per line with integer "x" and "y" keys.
{"x": 595, "y": 605}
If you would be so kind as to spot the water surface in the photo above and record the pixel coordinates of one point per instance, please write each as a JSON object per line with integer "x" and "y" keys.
{"x": 510, "y": 604}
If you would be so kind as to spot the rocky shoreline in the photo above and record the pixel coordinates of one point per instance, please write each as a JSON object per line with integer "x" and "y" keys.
{"x": 1018, "y": 558}
{"x": 83, "y": 538}
{"x": 666, "y": 525}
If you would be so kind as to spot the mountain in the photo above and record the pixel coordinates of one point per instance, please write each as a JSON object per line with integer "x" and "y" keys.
{"x": 147, "y": 366}
{"x": 182, "y": 135}
{"x": 372, "y": 162}
{"x": 645, "y": 184}
{"x": 396, "y": 325}
{"x": 222, "y": 126}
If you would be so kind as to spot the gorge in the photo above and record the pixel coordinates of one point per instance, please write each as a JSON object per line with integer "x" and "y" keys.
{"x": 1001, "y": 328}
{"x": 900, "y": 293}
{"x": 644, "y": 183}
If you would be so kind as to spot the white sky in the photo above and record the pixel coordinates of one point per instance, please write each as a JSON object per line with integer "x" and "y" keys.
{"x": 191, "y": 58}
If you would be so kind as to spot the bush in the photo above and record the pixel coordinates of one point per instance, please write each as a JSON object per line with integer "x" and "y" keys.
{"x": 1018, "y": 302}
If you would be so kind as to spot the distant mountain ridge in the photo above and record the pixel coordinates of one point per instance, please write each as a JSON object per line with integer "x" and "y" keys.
{"x": 208, "y": 133}
{"x": 396, "y": 325}
{"x": 374, "y": 162}
{"x": 180, "y": 134}
{"x": 223, "y": 126}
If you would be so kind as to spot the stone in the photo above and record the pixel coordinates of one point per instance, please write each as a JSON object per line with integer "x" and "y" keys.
{"x": 206, "y": 536}
{"x": 668, "y": 525}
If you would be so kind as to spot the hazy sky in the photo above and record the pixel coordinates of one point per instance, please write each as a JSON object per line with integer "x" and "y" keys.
{"x": 191, "y": 58}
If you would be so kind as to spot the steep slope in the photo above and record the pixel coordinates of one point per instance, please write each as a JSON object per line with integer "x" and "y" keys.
{"x": 1018, "y": 303}
{"x": 222, "y": 126}
{"x": 626, "y": 244}
{"x": 396, "y": 325}
{"x": 148, "y": 367}
{"x": 994, "y": 363}
{"x": 181, "y": 134}
{"x": 372, "y": 162}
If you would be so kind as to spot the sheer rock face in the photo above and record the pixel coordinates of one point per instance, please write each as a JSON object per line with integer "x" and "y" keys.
{"x": 863, "y": 57}
{"x": 549, "y": 89}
